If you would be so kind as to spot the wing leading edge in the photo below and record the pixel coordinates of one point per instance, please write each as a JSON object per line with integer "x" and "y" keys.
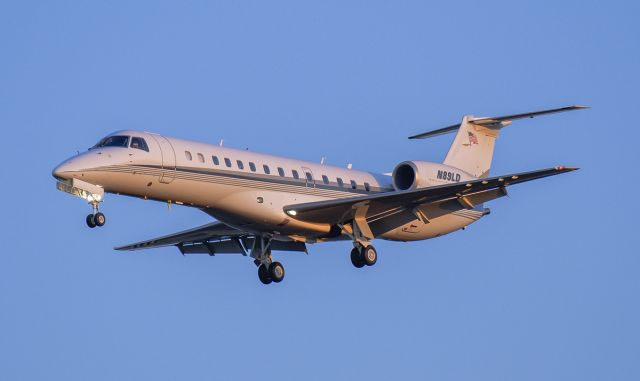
{"x": 343, "y": 210}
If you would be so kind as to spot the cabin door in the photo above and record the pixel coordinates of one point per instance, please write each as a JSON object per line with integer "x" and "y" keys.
{"x": 168, "y": 159}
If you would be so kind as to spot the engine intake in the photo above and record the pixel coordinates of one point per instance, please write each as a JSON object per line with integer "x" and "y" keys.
{"x": 404, "y": 176}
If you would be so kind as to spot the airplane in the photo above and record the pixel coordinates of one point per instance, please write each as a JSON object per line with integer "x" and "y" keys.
{"x": 263, "y": 203}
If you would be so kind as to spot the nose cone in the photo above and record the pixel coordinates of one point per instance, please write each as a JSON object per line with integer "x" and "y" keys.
{"x": 64, "y": 170}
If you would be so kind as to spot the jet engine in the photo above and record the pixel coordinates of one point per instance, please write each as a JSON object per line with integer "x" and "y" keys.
{"x": 420, "y": 174}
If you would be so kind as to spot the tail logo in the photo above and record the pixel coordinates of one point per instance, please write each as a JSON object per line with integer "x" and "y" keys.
{"x": 473, "y": 139}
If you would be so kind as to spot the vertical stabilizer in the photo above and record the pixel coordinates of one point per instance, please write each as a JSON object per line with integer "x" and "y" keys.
{"x": 472, "y": 149}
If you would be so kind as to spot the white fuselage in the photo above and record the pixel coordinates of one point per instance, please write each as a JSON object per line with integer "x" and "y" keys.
{"x": 248, "y": 190}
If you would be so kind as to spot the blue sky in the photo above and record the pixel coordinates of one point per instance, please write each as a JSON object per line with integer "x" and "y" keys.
{"x": 544, "y": 288}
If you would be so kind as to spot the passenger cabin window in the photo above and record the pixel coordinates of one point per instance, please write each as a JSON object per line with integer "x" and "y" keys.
{"x": 354, "y": 185}
{"x": 113, "y": 141}
{"x": 187, "y": 154}
{"x": 252, "y": 166}
{"x": 139, "y": 143}
{"x": 340, "y": 182}
{"x": 295, "y": 174}
{"x": 281, "y": 171}
{"x": 309, "y": 176}
{"x": 240, "y": 165}
{"x": 201, "y": 158}
{"x": 325, "y": 179}
{"x": 215, "y": 160}
{"x": 266, "y": 169}
{"x": 227, "y": 162}
{"x": 367, "y": 187}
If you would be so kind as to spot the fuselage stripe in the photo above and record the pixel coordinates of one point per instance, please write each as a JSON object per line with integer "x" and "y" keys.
{"x": 260, "y": 183}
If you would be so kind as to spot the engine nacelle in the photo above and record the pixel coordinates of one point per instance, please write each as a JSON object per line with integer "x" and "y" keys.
{"x": 420, "y": 174}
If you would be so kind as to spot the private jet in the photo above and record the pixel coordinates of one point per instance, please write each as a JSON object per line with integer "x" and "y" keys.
{"x": 264, "y": 203}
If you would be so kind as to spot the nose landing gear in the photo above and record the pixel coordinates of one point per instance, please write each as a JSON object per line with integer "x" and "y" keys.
{"x": 96, "y": 218}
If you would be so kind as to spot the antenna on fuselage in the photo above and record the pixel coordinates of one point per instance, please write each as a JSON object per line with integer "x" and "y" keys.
{"x": 322, "y": 161}
{"x": 221, "y": 142}
{"x": 349, "y": 166}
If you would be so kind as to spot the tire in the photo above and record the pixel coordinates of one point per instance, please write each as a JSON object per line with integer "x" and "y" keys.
{"x": 263, "y": 274}
{"x": 276, "y": 272}
{"x": 369, "y": 255}
{"x": 90, "y": 222}
{"x": 356, "y": 258}
{"x": 99, "y": 219}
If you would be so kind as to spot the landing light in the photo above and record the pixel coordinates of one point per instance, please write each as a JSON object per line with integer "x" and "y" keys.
{"x": 292, "y": 212}
{"x": 90, "y": 192}
{"x": 93, "y": 197}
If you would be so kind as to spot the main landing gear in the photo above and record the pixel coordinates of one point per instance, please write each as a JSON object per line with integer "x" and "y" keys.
{"x": 274, "y": 272}
{"x": 96, "y": 218}
{"x": 363, "y": 255}
{"x": 268, "y": 270}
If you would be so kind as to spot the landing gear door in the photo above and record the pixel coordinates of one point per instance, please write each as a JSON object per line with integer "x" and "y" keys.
{"x": 168, "y": 157}
{"x": 308, "y": 177}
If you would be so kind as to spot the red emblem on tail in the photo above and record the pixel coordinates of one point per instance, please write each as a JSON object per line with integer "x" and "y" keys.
{"x": 472, "y": 138}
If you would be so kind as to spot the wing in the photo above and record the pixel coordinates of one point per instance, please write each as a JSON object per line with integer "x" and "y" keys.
{"x": 467, "y": 193}
{"x": 216, "y": 231}
{"x": 214, "y": 238}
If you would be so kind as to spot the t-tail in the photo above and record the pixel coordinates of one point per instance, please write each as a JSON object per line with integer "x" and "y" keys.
{"x": 472, "y": 148}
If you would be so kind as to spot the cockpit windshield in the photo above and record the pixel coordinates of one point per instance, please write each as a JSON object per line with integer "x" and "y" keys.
{"x": 113, "y": 141}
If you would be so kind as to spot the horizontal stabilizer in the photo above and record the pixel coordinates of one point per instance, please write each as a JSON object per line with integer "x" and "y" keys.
{"x": 494, "y": 122}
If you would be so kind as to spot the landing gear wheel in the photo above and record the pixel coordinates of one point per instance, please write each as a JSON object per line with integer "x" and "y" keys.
{"x": 99, "y": 219}
{"x": 276, "y": 272}
{"x": 263, "y": 274}
{"x": 90, "y": 222}
{"x": 356, "y": 258}
{"x": 369, "y": 255}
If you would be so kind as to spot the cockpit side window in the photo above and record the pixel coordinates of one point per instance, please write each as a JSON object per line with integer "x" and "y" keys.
{"x": 113, "y": 141}
{"x": 139, "y": 143}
